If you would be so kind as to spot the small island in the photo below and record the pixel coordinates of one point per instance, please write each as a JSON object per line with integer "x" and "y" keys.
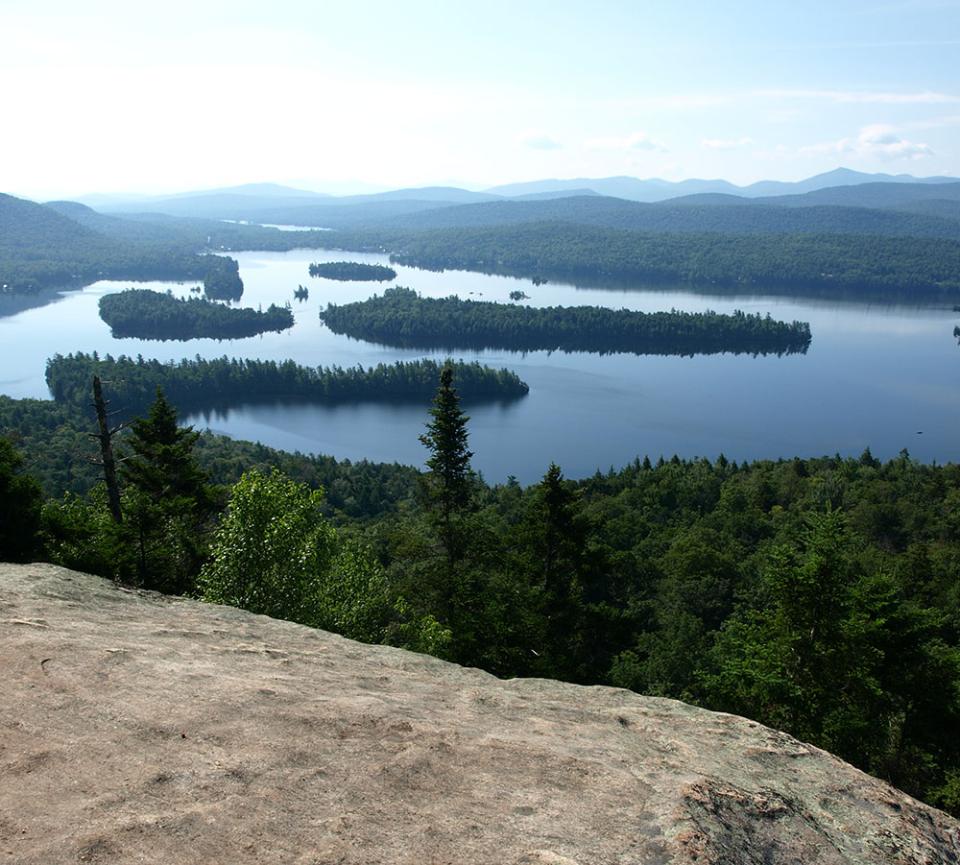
{"x": 302, "y": 292}
{"x": 519, "y": 295}
{"x": 200, "y": 383}
{"x": 144, "y": 314}
{"x": 222, "y": 278}
{"x": 353, "y": 271}
{"x": 401, "y": 317}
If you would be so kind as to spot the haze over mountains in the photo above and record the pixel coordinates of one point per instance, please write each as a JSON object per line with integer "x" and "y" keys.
{"x": 911, "y": 206}
{"x": 67, "y": 241}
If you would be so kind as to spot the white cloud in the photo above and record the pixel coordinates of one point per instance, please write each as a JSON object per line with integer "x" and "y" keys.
{"x": 725, "y": 143}
{"x": 634, "y": 141}
{"x": 877, "y": 140}
{"x": 924, "y": 97}
{"x": 540, "y": 141}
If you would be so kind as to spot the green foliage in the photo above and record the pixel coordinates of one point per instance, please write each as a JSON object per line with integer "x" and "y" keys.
{"x": 167, "y": 501}
{"x": 222, "y": 278}
{"x": 200, "y": 382}
{"x": 449, "y": 482}
{"x": 448, "y": 485}
{"x": 275, "y": 553}
{"x": 64, "y": 244}
{"x": 145, "y": 314}
{"x": 271, "y": 549}
{"x": 53, "y": 438}
{"x": 352, "y": 270}
{"x": 80, "y": 533}
{"x": 789, "y": 262}
{"x": 40, "y": 247}
{"x": 20, "y": 502}
{"x": 551, "y": 556}
{"x": 402, "y": 317}
{"x": 836, "y": 655}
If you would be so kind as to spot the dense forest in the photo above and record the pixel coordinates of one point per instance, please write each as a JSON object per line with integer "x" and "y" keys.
{"x": 352, "y": 270}
{"x": 40, "y": 247}
{"x": 723, "y": 214}
{"x": 915, "y": 266}
{"x": 55, "y": 442}
{"x": 402, "y": 317}
{"x": 222, "y": 381}
{"x": 146, "y": 314}
{"x": 819, "y": 596}
{"x": 222, "y": 278}
{"x": 66, "y": 244}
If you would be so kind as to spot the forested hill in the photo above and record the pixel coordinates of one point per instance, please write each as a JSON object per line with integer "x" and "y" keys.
{"x": 66, "y": 243}
{"x": 191, "y": 233}
{"x": 735, "y": 216}
{"x": 41, "y": 247}
{"x": 823, "y": 263}
{"x": 883, "y": 195}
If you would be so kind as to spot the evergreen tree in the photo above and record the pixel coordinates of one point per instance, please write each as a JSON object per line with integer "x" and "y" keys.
{"x": 167, "y": 500}
{"x": 19, "y": 507}
{"x": 449, "y": 484}
{"x": 552, "y": 547}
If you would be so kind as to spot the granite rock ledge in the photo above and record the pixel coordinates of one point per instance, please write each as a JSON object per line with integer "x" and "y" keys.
{"x": 141, "y": 728}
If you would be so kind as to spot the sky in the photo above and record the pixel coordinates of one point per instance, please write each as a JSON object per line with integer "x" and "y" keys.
{"x": 361, "y": 95}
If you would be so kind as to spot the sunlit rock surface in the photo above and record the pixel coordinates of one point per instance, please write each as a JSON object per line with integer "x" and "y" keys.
{"x": 139, "y": 728}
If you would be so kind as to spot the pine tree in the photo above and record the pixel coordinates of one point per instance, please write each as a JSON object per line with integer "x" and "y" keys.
{"x": 553, "y": 540}
{"x": 449, "y": 484}
{"x": 162, "y": 465}
{"x": 168, "y": 500}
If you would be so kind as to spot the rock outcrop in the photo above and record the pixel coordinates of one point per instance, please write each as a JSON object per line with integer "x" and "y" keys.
{"x": 140, "y": 728}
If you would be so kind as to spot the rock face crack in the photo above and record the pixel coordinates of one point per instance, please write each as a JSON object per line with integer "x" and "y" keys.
{"x": 142, "y": 728}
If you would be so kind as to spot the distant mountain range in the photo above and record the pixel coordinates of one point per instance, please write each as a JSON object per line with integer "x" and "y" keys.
{"x": 838, "y": 202}
{"x": 634, "y": 189}
{"x": 248, "y": 200}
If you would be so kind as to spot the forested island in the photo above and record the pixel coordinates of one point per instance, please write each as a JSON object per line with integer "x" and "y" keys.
{"x": 220, "y": 381}
{"x": 352, "y": 271}
{"x": 144, "y": 314}
{"x": 222, "y": 279}
{"x": 401, "y": 317}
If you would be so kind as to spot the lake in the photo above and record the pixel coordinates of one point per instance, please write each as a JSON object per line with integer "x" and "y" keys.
{"x": 881, "y": 375}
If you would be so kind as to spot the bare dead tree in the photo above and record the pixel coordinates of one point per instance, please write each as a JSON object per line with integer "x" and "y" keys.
{"x": 107, "y": 460}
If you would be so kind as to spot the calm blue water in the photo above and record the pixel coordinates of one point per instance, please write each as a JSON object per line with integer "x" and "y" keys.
{"x": 876, "y": 375}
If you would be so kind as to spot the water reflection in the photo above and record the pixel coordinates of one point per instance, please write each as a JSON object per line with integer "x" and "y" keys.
{"x": 876, "y": 373}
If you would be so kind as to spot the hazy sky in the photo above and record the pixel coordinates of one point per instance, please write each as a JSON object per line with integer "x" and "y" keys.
{"x": 106, "y": 96}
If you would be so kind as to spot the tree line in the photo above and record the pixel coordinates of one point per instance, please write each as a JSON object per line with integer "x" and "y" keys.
{"x": 401, "y": 317}
{"x": 219, "y": 381}
{"x": 145, "y": 314}
{"x": 792, "y": 263}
